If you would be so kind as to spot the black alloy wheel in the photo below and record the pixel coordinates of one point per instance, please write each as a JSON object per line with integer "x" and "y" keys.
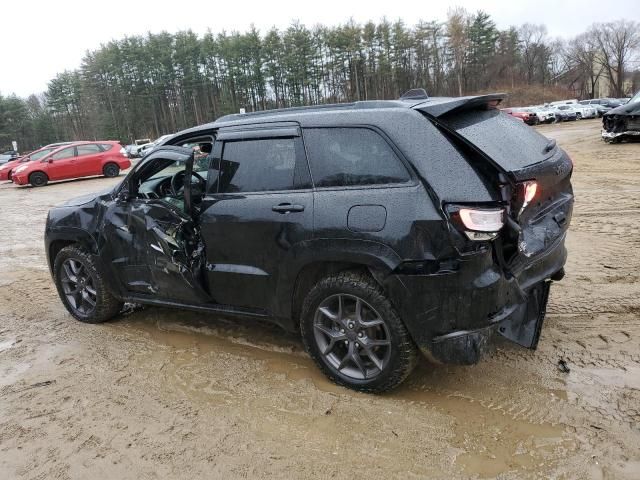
{"x": 352, "y": 336}
{"x": 82, "y": 286}
{"x": 78, "y": 286}
{"x": 355, "y": 335}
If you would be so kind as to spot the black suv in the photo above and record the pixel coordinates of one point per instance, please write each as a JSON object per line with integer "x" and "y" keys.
{"x": 376, "y": 229}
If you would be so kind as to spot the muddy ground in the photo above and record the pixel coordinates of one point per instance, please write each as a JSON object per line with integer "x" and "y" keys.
{"x": 171, "y": 394}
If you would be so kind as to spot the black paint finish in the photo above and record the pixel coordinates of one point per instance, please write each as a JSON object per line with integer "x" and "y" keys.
{"x": 258, "y": 253}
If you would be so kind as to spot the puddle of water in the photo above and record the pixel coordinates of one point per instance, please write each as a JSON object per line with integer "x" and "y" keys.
{"x": 7, "y": 344}
{"x": 614, "y": 378}
{"x": 13, "y": 374}
{"x": 189, "y": 337}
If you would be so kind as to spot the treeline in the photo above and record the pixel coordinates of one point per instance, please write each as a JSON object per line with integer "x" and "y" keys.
{"x": 146, "y": 86}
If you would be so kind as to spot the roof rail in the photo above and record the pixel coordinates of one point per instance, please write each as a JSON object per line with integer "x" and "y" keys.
{"x": 415, "y": 94}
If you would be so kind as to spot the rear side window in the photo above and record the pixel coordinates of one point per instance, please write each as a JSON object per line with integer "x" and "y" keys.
{"x": 351, "y": 157}
{"x": 64, "y": 153}
{"x": 258, "y": 165}
{"x": 106, "y": 146}
{"x": 88, "y": 150}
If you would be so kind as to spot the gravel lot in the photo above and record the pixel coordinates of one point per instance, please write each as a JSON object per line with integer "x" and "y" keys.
{"x": 171, "y": 394}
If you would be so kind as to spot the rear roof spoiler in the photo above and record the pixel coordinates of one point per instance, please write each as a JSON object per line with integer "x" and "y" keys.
{"x": 437, "y": 107}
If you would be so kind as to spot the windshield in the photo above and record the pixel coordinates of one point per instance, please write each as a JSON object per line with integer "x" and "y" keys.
{"x": 41, "y": 153}
{"x": 635, "y": 98}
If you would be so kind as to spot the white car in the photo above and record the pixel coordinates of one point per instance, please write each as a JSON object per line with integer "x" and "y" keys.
{"x": 585, "y": 111}
{"x": 147, "y": 147}
{"x": 545, "y": 115}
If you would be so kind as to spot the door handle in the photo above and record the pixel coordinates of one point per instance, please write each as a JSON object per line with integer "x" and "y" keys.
{"x": 287, "y": 208}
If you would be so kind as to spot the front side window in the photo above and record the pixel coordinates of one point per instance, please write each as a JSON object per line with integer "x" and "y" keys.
{"x": 64, "y": 153}
{"x": 351, "y": 157}
{"x": 258, "y": 165}
{"x": 41, "y": 154}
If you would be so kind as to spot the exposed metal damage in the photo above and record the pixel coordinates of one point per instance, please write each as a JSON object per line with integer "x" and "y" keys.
{"x": 623, "y": 122}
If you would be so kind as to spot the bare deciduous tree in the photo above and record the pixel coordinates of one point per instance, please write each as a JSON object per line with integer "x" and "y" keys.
{"x": 617, "y": 42}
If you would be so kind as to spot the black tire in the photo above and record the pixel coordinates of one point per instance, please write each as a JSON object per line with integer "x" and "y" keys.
{"x": 111, "y": 170}
{"x": 106, "y": 306}
{"x": 402, "y": 355}
{"x": 38, "y": 179}
{"x": 578, "y": 116}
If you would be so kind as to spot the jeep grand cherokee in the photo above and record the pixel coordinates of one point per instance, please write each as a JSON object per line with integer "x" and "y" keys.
{"x": 376, "y": 229}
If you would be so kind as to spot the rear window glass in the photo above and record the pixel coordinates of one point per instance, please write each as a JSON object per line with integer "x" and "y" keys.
{"x": 510, "y": 143}
{"x": 352, "y": 156}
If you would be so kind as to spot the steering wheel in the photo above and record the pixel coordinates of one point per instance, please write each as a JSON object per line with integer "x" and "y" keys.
{"x": 177, "y": 182}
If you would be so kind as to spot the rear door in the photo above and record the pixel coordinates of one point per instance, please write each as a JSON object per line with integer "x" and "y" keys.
{"x": 257, "y": 213}
{"x": 62, "y": 164}
{"x": 88, "y": 160}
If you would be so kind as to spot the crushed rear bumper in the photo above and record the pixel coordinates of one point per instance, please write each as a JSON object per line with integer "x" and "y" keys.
{"x": 453, "y": 315}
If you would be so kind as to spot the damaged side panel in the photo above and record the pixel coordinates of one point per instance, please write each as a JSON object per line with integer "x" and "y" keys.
{"x": 155, "y": 250}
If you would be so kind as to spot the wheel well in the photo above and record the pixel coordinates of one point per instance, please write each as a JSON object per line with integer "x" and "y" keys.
{"x": 110, "y": 162}
{"x": 313, "y": 273}
{"x": 55, "y": 248}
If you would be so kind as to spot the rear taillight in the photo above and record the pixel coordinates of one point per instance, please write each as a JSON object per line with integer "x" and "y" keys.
{"x": 528, "y": 190}
{"x": 123, "y": 152}
{"x": 481, "y": 224}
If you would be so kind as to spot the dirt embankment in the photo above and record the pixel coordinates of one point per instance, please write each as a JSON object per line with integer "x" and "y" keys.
{"x": 170, "y": 394}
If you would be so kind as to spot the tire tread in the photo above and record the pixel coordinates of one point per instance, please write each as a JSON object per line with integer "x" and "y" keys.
{"x": 407, "y": 352}
{"x": 107, "y": 306}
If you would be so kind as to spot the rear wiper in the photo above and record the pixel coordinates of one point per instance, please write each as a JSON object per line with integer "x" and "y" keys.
{"x": 551, "y": 144}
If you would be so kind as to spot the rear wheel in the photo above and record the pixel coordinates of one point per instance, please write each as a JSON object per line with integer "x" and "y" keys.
{"x": 38, "y": 179}
{"x": 111, "y": 170}
{"x": 354, "y": 334}
{"x": 82, "y": 288}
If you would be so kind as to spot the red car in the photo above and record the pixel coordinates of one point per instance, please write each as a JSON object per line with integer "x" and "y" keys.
{"x": 80, "y": 159}
{"x": 526, "y": 117}
{"x": 7, "y": 168}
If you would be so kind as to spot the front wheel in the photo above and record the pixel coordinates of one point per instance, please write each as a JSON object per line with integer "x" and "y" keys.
{"x": 354, "y": 334}
{"x": 82, "y": 288}
{"x": 38, "y": 179}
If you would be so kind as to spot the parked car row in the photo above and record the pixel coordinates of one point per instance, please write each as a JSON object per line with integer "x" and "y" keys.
{"x": 564, "y": 110}
{"x": 67, "y": 160}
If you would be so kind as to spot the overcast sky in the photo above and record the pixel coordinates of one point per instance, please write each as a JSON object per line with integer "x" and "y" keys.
{"x": 40, "y": 39}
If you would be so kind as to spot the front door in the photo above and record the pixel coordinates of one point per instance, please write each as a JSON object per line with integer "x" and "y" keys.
{"x": 256, "y": 216}
{"x": 62, "y": 164}
{"x": 153, "y": 246}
